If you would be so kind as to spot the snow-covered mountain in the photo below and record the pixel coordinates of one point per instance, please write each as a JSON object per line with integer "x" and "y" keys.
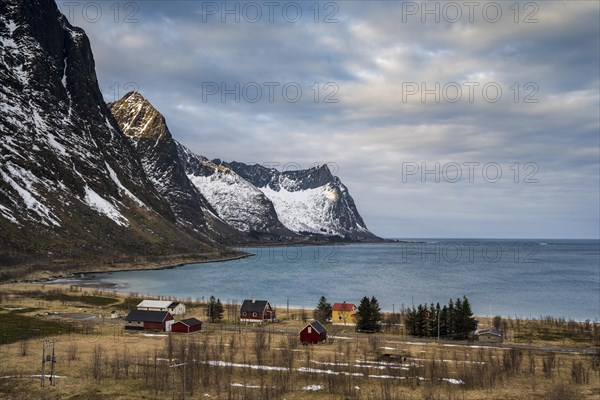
{"x": 307, "y": 201}
{"x": 236, "y": 200}
{"x": 71, "y": 185}
{"x": 250, "y": 198}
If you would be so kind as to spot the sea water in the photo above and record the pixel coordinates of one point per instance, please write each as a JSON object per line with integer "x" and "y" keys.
{"x": 525, "y": 278}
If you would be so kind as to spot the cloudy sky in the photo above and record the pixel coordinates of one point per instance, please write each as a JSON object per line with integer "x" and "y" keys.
{"x": 449, "y": 119}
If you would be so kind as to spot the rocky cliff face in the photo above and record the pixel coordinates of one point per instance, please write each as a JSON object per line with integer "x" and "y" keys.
{"x": 149, "y": 135}
{"x": 71, "y": 184}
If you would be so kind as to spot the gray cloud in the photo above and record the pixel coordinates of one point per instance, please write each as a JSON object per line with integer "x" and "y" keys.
{"x": 372, "y": 132}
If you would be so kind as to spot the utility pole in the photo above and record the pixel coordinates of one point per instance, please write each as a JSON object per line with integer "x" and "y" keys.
{"x": 51, "y": 358}
{"x": 438, "y": 326}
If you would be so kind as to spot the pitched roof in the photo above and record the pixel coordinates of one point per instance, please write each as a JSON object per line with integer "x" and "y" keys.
{"x": 147, "y": 316}
{"x": 254, "y": 305}
{"x": 190, "y": 321}
{"x": 174, "y": 304}
{"x": 343, "y": 306}
{"x": 155, "y": 304}
{"x": 317, "y": 326}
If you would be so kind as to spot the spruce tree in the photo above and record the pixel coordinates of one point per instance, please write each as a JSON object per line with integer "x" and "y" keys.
{"x": 211, "y": 309}
{"x": 218, "y": 311}
{"x": 466, "y": 322}
{"x": 444, "y": 321}
{"x": 421, "y": 322}
{"x": 323, "y": 310}
{"x": 376, "y": 315}
{"x": 411, "y": 321}
{"x": 369, "y": 315}
{"x": 363, "y": 314}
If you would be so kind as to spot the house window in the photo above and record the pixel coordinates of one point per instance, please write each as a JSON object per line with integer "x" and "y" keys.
{"x": 309, "y": 329}
{"x": 254, "y": 314}
{"x": 340, "y": 317}
{"x": 244, "y": 313}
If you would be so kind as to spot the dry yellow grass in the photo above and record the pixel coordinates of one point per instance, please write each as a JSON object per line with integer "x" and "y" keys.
{"x": 133, "y": 365}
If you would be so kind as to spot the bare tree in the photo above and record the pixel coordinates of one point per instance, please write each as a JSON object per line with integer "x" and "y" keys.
{"x": 97, "y": 359}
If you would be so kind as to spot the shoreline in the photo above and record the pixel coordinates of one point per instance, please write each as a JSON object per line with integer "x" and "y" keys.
{"x": 295, "y": 308}
{"x": 51, "y": 270}
{"x": 170, "y": 262}
{"x": 112, "y": 288}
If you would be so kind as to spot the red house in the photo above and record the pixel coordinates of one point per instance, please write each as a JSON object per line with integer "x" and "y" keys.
{"x": 256, "y": 311}
{"x": 313, "y": 333}
{"x": 149, "y": 320}
{"x": 189, "y": 325}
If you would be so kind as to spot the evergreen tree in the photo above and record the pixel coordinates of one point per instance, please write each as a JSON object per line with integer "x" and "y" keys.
{"x": 323, "y": 310}
{"x": 376, "y": 315}
{"x": 450, "y": 324}
{"x": 421, "y": 323}
{"x": 432, "y": 321}
{"x": 215, "y": 310}
{"x": 465, "y": 321}
{"x": 444, "y": 322}
{"x": 219, "y": 311}
{"x": 369, "y": 315}
{"x": 363, "y": 314}
{"x": 411, "y": 321}
{"x": 455, "y": 320}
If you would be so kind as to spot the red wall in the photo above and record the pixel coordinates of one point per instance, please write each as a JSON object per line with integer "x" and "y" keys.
{"x": 182, "y": 328}
{"x": 154, "y": 325}
{"x": 313, "y": 337}
{"x": 157, "y": 325}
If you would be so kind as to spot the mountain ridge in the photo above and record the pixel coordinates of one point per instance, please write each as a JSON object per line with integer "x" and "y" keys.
{"x": 253, "y": 199}
{"x": 72, "y": 188}
{"x": 86, "y": 182}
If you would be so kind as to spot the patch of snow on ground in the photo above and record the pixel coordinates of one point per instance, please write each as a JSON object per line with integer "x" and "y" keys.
{"x": 453, "y": 381}
{"x": 245, "y": 386}
{"x": 341, "y": 364}
{"x": 327, "y": 371}
{"x": 251, "y": 366}
{"x": 29, "y": 376}
{"x": 313, "y": 388}
{"x": 95, "y": 201}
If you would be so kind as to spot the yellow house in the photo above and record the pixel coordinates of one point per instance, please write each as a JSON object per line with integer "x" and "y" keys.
{"x": 343, "y": 314}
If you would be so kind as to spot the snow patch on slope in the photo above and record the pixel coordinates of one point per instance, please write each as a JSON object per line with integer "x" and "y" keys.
{"x": 116, "y": 180}
{"x": 236, "y": 201}
{"x": 95, "y": 201}
{"x": 28, "y": 193}
{"x": 5, "y": 212}
{"x": 309, "y": 210}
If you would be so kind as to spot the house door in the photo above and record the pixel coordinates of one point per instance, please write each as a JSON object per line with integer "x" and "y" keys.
{"x": 169, "y": 325}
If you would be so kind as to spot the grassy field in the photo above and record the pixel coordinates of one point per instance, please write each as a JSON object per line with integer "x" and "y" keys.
{"x": 97, "y": 359}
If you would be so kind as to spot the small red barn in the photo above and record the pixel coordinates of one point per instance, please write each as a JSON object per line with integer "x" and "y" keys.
{"x": 256, "y": 311}
{"x": 313, "y": 333}
{"x": 188, "y": 325}
{"x": 149, "y": 320}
